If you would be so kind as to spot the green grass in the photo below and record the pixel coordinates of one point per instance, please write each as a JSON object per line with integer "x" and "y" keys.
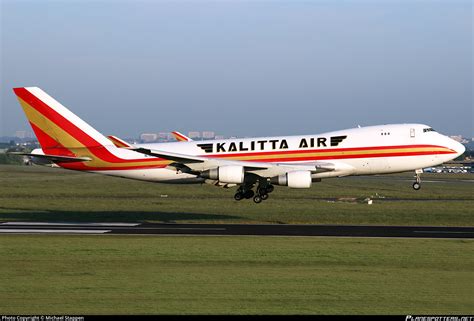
{"x": 50, "y": 194}
{"x": 44, "y": 194}
{"x": 110, "y": 274}
{"x": 234, "y": 275}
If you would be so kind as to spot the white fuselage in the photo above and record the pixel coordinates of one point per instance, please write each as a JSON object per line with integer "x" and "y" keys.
{"x": 358, "y": 151}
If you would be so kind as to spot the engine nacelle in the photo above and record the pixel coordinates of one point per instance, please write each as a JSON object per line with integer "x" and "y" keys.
{"x": 232, "y": 174}
{"x": 295, "y": 179}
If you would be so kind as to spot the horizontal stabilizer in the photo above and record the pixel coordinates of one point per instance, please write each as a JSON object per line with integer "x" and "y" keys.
{"x": 54, "y": 158}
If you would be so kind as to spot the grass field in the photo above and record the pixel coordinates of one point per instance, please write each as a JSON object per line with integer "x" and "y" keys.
{"x": 234, "y": 275}
{"x": 44, "y": 194}
{"x": 41, "y": 274}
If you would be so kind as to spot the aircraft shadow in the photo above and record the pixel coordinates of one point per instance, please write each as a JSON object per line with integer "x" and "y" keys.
{"x": 25, "y": 215}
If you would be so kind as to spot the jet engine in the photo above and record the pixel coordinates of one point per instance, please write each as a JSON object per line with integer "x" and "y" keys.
{"x": 295, "y": 179}
{"x": 232, "y": 174}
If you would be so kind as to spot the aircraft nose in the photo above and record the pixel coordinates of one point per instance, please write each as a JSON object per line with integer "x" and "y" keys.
{"x": 458, "y": 147}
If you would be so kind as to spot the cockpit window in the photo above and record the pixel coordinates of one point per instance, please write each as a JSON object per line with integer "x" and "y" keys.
{"x": 425, "y": 130}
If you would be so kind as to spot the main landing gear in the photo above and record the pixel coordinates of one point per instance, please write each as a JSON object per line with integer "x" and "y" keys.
{"x": 417, "y": 184}
{"x": 245, "y": 191}
{"x": 262, "y": 192}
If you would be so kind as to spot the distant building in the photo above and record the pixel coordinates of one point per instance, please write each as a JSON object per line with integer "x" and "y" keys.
{"x": 208, "y": 135}
{"x": 164, "y": 136}
{"x": 194, "y": 135}
{"x": 219, "y": 137}
{"x": 149, "y": 137}
{"x": 131, "y": 141}
{"x": 23, "y": 134}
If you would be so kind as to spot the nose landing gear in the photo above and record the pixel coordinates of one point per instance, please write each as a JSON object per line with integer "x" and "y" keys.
{"x": 417, "y": 184}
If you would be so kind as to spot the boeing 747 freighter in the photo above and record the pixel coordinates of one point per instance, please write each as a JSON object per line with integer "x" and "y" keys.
{"x": 255, "y": 165}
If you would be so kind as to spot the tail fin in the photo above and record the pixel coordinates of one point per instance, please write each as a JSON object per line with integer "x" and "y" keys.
{"x": 58, "y": 130}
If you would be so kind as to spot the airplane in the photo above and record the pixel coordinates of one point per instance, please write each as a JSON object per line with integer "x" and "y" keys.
{"x": 255, "y": 165}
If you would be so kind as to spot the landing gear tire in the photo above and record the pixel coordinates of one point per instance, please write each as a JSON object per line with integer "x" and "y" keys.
{"x": 416, "y": 186}
{"x": 264, "y": 196}
{"x": 249, "y": 194}
{"x": 257, "y": 199}
{"x": 265, "y": 189}
{"x": 238, "y": 196}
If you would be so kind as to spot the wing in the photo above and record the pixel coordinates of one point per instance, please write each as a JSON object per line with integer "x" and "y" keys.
{"x": 196, "y": 164}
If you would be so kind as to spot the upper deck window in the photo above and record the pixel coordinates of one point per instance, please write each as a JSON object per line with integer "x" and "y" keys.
{"x": 425, "y": 130}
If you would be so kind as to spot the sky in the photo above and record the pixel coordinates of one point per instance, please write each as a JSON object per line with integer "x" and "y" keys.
{"x": 242, "y": 68}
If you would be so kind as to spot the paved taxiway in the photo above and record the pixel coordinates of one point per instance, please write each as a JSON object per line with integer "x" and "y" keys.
{"x": 237, "y": 229}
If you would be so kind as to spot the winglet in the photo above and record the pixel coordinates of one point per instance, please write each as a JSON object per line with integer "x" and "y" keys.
{"x": 119, "y": 142}
{"x": 181, "y": 137}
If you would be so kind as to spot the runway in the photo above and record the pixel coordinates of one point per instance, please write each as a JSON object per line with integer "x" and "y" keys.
{"x": 237, "y": 229}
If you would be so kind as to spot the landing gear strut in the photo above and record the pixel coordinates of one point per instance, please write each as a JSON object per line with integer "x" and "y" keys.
{"x": 417, "y": 184}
